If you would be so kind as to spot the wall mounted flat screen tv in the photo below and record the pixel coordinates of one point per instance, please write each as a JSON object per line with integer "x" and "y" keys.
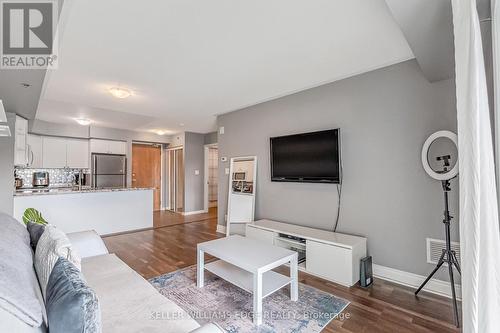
{"x": 308, "y": 157}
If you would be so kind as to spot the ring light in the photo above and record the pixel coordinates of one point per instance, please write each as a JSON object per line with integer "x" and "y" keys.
{"x": 425, "y": 160}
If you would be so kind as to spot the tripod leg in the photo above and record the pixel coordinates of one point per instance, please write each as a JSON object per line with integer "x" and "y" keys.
{"x": 452, "y": 281}
{"x": 439, "y": 264}
{"x": 455, "y": 262}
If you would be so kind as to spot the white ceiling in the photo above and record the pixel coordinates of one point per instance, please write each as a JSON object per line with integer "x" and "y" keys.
{"x": 188, "y": 60}
{"x": 428, "y": 27}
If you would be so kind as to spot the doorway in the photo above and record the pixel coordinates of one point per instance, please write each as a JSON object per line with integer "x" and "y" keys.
{"x": 175, "y": 171}
{"x": 211, "y": 176}
{"x": 146, "y": 169}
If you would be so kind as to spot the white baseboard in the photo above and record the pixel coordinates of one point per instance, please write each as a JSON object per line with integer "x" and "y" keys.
{"x": 195, "y": 212}
{"x": 221, "y": 229}
{"x": 434, "y": 286}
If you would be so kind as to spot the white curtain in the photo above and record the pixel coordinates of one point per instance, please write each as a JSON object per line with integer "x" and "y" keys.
{"x": 479, "y": 229}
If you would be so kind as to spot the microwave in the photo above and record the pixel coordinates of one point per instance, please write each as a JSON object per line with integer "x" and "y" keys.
{"x": 239, "y": 175}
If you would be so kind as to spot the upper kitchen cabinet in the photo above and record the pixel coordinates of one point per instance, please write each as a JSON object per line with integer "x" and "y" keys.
{"x": 34, "y": 151}
{"x": 77, "y": 153}
{"x": 108, "y": 147}
{"x": 54, "y": 152}
{"x": 20, "y": 137}
{"x": 65, "y": 152}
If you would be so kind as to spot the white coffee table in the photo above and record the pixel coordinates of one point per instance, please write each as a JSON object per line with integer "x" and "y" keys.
{"x": 248, "y": 264}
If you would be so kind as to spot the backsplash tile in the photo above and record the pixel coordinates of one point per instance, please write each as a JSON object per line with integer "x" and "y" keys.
{"x": 57, "y": 177}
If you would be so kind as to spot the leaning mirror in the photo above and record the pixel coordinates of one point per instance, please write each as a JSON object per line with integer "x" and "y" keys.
{"x": 241, "y": 198}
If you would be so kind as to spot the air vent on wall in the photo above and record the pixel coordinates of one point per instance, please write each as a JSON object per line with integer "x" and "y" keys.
{"x": 435, "y": 249}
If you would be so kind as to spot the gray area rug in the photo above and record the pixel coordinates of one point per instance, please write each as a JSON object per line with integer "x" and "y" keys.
{"x": 231, "y": 307}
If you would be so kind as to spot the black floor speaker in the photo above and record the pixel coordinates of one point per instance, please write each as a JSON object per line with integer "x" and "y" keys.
{"x": 366, "y": 273}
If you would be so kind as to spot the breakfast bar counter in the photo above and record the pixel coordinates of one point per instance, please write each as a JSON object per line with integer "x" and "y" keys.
{"x": 107, "y": 211}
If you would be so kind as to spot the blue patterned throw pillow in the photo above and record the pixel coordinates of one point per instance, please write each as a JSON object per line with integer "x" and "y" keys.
{"x": 72, "y": 306}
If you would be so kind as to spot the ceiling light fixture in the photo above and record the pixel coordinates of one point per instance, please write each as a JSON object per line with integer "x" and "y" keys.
{"x": 83, "y": 121}
{"x": 160, "y": 132}
{"x": 120, "y": 92}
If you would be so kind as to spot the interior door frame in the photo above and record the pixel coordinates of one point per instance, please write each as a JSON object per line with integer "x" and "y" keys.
{"x": 167, "y": 170}
{"x": 205, "y": 174}
{"x": 162, "y": 166}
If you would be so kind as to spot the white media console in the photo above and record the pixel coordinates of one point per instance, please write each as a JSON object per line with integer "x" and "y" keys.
{"x": 329, "y": 255}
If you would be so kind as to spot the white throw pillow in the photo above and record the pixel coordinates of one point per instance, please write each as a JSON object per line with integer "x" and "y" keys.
{"x": 52, "y": 244}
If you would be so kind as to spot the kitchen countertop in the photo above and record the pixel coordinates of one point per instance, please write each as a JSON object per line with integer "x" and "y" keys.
{"x": 70, "y": 190}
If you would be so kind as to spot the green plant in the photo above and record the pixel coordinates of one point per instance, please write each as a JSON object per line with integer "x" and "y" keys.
{"x": 33, "y": 215}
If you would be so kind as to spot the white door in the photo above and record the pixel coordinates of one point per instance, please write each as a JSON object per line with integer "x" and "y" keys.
{"x": 77, "y": 153}
{"x": 34, "y": 151}
{"x": 54, "y": 152}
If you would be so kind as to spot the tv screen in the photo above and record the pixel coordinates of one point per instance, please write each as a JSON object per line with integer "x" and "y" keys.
{"x": 308, "y": 157}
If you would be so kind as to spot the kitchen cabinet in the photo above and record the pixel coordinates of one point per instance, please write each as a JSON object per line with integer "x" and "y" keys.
{"x": 34, "y": 151}
{"x": 77, "y": 153}
{"x": 108, "y": 147}
{"x": 118, "y": 147}
{"x": 65, "y": 152}
{"x": 54, "y": 152}
{"x": 20, "y": 146}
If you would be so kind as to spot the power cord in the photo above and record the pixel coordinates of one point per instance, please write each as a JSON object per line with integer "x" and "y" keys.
{"x": 339, "y": 194}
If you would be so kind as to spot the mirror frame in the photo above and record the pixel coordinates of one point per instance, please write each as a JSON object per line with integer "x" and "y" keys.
{"x": 230, "y": 187}
{"x": 425, "y": 159}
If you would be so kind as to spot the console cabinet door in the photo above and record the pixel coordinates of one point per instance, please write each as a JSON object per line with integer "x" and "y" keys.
{"x": 260, "y": 234}
{"x": 330, "y": 262}
{"x": 54, "y": 152}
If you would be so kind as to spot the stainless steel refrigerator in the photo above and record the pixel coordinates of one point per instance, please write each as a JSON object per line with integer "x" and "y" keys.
{"x": 109, "y": 171}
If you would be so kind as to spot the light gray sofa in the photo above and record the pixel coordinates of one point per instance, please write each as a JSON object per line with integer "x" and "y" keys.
{"x": 128, "y": 302}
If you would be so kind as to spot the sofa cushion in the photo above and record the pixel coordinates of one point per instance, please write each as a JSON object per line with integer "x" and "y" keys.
{"x": 18, "y": 284}
{"x": 52, "y": 244}
{"x": 128, "y": 302}
{"x": 35, "y": 230}
{"x": 72, "y": 306}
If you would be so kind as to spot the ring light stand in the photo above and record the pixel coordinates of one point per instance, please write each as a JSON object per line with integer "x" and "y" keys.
{"x": 448, "y": 256}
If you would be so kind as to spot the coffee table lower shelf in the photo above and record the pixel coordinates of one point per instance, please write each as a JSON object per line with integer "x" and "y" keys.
{"x": 271, "y": 281}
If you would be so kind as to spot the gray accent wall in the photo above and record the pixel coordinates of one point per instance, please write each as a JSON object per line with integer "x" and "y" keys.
{"x": 211, "y": 138}
{"x": 385, "y": 117}
{"x": 194, "y": 160}
{"x": 7, "y": 168}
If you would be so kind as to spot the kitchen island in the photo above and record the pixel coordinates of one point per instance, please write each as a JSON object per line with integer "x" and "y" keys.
{"x": 107, "y": 211}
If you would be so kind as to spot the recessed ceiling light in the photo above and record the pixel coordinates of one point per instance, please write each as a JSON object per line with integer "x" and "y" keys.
{"x": 161, "y": 132}
{"x": 120, "y": 92}
{"x": 83, "y": 121}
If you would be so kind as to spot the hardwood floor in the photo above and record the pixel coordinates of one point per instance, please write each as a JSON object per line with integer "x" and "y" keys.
{"x": 384, "y": 307}
{"x": 163, "y": 218}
